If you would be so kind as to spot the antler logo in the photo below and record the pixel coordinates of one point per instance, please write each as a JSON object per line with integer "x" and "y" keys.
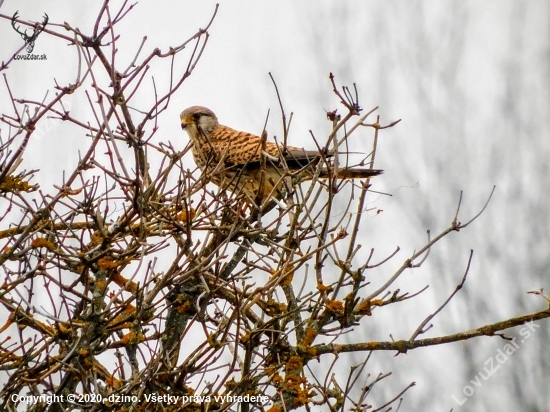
{"x": 29, "y": 40}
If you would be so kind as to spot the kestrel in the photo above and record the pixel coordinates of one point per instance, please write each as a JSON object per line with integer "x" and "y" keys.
{"x": 242, "y": 163}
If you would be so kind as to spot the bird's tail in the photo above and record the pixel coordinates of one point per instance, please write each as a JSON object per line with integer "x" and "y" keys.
{"x": 355, "y": 173}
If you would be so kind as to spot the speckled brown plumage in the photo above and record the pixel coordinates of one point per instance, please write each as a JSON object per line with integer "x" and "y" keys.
{"x": 233, "y": 160}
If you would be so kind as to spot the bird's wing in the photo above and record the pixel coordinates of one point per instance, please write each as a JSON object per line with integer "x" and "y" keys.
{"x": 240, "y": 148}
{"x": 296, "y": 157}
{"x": 236, "y": 148}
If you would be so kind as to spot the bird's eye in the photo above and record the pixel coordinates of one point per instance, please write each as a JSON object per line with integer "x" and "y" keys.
{"x": 196, "y": 116}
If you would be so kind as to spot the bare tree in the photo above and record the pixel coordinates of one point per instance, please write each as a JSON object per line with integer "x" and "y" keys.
{"x": 165, "y": 292}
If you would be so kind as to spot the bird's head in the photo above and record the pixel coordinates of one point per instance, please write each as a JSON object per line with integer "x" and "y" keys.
{"x": 195, "y": 119}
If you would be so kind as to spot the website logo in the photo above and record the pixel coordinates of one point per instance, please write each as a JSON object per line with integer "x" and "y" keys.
{"x": 29, "y": 40}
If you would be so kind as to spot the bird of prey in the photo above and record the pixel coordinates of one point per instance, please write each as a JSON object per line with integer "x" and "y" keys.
{"x": 245, "y": 163}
